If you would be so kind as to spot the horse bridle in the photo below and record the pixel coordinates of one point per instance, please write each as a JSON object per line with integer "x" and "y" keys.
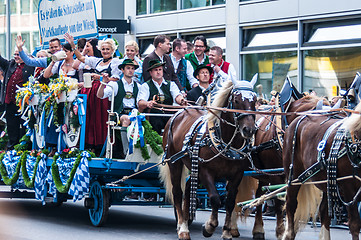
{"x": 238, "y": 116}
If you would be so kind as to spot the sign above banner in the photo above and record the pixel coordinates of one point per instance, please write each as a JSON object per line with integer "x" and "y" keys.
{"x": 113, "y": 26}
{"x": 57, "y": 17}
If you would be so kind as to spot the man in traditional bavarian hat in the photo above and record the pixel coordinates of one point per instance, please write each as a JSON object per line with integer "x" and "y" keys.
{"x": 202, "y": 74}
{"x": 125, "y": 91}
{"x": 125, "y": 94}
{"x": 158, "y": 90}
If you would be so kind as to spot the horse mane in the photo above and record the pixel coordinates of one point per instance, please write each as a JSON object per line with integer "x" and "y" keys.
{"x": 220, "y": 99}
{"x": 353, "y": 122}
{"x": 307, "y": 100}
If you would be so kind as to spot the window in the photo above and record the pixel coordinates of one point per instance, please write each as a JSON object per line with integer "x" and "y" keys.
{"x": 274, "y": 36}
{"x": 25, "y": 6}
{"x": 3, "y": 45}
{"x": 2, "y": 8}
{"x": 35, "y": 6}
{"x": 141, "y": 7}
{"x": 163, "y": 5}
{"x": 272, "y": 69}
{"x": 13, "y": 6}
{"x": 194, "y": 3}
{"x": 328, "y": 69}
{"x": 217, "y": 2}
{"x": 36, "y": 40}
{"x": 26, "y": 37}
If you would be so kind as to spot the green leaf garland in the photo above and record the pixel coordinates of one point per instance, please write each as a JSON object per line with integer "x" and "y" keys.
{"x": 152, "y": 138}
{"x": 4, "y": 173}
{"x": 30, "y": 182}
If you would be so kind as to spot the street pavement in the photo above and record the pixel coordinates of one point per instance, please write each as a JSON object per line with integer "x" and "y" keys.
{"x": 29, "y": 220}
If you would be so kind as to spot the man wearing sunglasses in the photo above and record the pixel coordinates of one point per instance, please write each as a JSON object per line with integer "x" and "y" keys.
{"x": 16, "y": 74}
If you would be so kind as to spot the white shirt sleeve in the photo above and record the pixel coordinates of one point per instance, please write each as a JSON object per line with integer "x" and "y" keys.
{"x": 190, "y": 70}
{"x": 109, "y": 89}
{"x": 116, "y": 72}
{"x": 174, "y": 90}
{"x": 55, "y": 68}
{"x": 92, "y": 61}
{"x": 232, "y": 72}
{"x": 143, "y": 93}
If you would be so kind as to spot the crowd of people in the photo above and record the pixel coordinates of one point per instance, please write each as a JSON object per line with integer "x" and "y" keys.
{"x": 174, "y": 73}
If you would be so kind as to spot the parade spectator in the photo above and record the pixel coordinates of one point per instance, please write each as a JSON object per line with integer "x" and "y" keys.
{"x": 182, "y": 67}
{"x": 198, "y": 57}
{"x": 190, "y": 47}
{"x": 43, "y": 62}
{"x": 220, "y": 67}
{"x": 160, "y": 53}
{"x": 158, "y": 90}
{"x": 125, "y": 92}
{"x": 16, "y": 74}
{"x": 131, "y": 52}
{"x": 202, "y": 73}
{"x": 97, "y": 115}
{"x": 63, "y": 67}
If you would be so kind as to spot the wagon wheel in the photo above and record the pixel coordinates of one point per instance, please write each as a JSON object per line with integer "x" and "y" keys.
{"x": 99, "y": 202}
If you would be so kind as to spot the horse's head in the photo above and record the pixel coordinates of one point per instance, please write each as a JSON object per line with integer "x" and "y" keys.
{"x": 243, "y": 97}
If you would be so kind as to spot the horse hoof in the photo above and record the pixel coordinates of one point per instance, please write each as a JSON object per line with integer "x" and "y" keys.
{"x": 184, "y": 236}
{"x": 235, "y": 233}
{"x": 258, "y": 236}
{"x": 204, "y": 231}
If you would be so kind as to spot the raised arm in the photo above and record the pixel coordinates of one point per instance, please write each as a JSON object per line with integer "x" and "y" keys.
{"x": 48, "y": 71}
{"x": 70, "y": 40}
{"x": 32, "y": 62}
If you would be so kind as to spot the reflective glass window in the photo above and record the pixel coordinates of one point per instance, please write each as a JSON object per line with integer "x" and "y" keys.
{"x": 273, "y": 38}
{"x": 329, "y": 69}
{"x": 35, "y": 6}
{"x": 163, "y": 5}
{"x": 272, "y": 69}
{"x": 3, "y": 45}
{"x": 217, "y": 2}
{"x": 25, "y": 6}
{"x": 2, "y": 8}
{"x": 12, "y": 6}
{"x": 336, "y": 33}
{"x": 195, "y": 3}
{"x": 141, "y": 7}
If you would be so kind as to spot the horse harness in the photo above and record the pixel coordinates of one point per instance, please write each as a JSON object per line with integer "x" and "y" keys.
{"x": 352, "y": 148}
{"x": 208, "y": 134}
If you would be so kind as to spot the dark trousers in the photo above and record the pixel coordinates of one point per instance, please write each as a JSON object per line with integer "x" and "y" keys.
{"x": 14, "y": 125}
{"x": 158, "y": 123}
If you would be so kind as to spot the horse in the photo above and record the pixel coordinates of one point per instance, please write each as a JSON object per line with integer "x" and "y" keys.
{"x": 223, "y": 139}
{"x": 267, "y": 154}
{"x": 318, "y": 151}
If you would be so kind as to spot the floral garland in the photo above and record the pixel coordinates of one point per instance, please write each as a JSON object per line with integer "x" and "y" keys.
{"x": 152, "y": 138}
{"x": 4, "y": 173}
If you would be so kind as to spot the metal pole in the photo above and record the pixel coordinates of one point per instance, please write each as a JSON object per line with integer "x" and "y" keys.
{"x": 8, "y": 30}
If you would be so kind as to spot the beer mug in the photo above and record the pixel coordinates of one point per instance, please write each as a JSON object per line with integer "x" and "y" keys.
{"x": 87, "y": 80}
{"x": 58, "y": 56}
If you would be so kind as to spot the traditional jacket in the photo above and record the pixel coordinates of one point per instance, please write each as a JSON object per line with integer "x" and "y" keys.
{"x": 224, "y": 67}
{"x": 168, "y": 99}
{"x": 194, "y": 60}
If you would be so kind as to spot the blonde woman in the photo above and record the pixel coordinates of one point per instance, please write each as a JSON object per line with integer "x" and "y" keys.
{"x": 131, "y": 51}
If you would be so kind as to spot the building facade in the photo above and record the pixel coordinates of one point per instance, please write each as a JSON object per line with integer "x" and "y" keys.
{"x": 316, "y": 43}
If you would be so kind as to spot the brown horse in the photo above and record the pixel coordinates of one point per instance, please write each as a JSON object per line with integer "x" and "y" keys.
{"x": 267, "y": 154}
{"x": 233, "y": 132}
{"x": 302, "y": 149}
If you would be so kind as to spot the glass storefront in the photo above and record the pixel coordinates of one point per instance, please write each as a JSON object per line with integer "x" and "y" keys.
{"x": 141, "y": 7}
{"x": 272, "y": 69}
{"x": 326, "y": 71}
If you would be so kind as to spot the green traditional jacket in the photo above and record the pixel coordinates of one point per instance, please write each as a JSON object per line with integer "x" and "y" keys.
{"x": 194, "y": 61}
{"x": 118, "y": 99}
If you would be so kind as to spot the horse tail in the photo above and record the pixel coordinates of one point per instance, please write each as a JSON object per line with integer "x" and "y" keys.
{"x": 309, "y": 199}
{"x": 246, "y": 191}
{"x": 165, "y": 178}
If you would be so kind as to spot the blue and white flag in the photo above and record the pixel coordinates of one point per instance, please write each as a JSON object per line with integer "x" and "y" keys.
{"x": 80, "y": 184}
{"x": 40, "y": 180}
